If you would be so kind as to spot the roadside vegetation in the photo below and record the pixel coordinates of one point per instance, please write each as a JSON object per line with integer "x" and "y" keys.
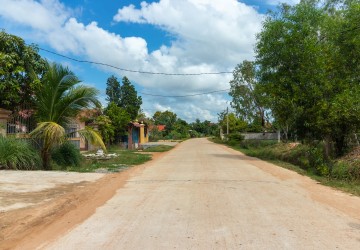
{"x": 18, "y": 154}
{"x": 123, "y": 160}
{"x": 159, "y": 148}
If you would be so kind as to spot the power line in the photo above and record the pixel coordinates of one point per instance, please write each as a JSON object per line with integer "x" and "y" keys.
{"x": 189, "y": 95}
{"x": 135, "y": 71}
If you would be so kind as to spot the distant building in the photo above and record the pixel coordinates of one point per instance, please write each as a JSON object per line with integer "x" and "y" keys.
{"x": 137, "y": 134}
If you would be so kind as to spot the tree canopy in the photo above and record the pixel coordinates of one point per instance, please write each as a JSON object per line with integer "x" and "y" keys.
{"x": 307, "y": 55}
{"x": 113, "y": 91}
{"x": 248, "y": 100}
{"x": 129, "y": 100}
{"x": 20, "y": 69}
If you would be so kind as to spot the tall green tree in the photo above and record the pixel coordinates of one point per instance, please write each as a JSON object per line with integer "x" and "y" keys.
{"x": 120, "y": 119}
{"x": 58, "y": 103}
{"x": 129, "y": 100}
{"x": 20, "y": 69}
{"x": 306, "y": 68}
{"x": 248, "y": 100}
{"x": 113, "y": 91}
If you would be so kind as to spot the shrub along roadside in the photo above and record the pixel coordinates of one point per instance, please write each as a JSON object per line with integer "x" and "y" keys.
{"x": 306, "y": 160}
{"x": 18, "y": 155}
{"x": 159, "y": 148}
{"x": 66, "y": 154}
{"x": 125, "y": 159}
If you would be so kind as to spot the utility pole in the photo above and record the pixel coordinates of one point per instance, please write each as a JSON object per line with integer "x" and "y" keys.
{"x": 227, "y": 120}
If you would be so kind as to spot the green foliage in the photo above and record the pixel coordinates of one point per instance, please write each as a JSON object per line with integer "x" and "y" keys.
{"x": 346, "y": 171}
{"x": 159, "y": 148}
{"x": 247, "y": 98}
{"x": 20, "y": 67}
{"x": 58, "y": 102}
{"x": 113, "y": 91}
{"x": 235, "y": 124}
{"x": 129, "y": 99}
{"x": 105, "y": 128}
{"x": 175, "y": 128}
{"x": 119, "y": 121}
{"x": 166, "y": 118}
{"x": 125, "y": 159}
{"x": 257, "y": 143}
{"x": 66, "y": 154}
{"x": 308, "y": 71}
{"x": 205, "y": 128}
{"x": 234, "y": 139}
{"x": 18, "y": 154}
{"x": 155, "y": 134}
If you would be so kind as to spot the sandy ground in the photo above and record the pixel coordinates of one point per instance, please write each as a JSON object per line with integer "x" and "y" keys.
{"x": 20, "y": 189}
{"x": 198, "y": 196}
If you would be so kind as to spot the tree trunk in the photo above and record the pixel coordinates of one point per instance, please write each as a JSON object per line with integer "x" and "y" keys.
{"x": 45, "y": 155}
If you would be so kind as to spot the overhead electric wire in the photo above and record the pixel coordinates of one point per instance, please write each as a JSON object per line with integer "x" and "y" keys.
{"x": 135, "y": 71}
{"x": 189, "y": 95}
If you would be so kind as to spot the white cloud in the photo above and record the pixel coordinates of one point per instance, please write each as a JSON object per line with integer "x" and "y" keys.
{"x": 210, "y": 31}
{"x": 209, "y": 36}
{"x": 44, "y": 15}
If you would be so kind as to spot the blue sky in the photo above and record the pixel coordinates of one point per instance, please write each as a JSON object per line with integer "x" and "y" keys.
{"x": 171, "y": 36}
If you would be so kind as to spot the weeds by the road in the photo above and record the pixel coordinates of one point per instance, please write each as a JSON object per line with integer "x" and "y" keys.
{"x": 159, "y": 148}
{"x": 305, "y": 160}
{"x": 124, "y": 159}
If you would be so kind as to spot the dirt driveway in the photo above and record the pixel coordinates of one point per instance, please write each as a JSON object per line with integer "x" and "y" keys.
{"x": 198, "y": 196}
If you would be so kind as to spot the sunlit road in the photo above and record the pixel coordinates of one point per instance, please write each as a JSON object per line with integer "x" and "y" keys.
{"x": 202, "y": 195}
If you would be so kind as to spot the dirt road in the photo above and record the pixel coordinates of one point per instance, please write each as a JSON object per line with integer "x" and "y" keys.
{"x": 205, "y": 196}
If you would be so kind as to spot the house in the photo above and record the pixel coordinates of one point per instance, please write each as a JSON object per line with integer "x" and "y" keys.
{"x": 160, "y": 128}
{"x": 137, "y": 134}
{"x": 22, "y": 123}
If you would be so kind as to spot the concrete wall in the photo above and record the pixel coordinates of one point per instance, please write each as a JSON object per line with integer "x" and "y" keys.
{"x": 261, "y": 136}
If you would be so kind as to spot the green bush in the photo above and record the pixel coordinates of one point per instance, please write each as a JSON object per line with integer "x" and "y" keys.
{"x": 257, "y": 143}
{"x": 234, "y": 139}
{"x": 346, "y": 171}
{"x": 18, "y": 154}
{"x": 67, "y": 154}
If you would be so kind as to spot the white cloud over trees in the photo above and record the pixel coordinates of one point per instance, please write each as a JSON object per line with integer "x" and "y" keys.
{"x": 208, "y": 36}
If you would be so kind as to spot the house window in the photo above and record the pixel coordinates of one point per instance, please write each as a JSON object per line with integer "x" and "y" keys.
{"x": 71, "y": 130}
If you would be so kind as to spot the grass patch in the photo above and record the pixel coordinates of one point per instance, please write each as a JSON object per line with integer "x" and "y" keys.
{"x": 18, "y": 154}
{"x": 125, "y": 159}
{"x": 159, "y": 148}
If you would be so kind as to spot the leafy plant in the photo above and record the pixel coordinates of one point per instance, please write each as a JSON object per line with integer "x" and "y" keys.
{"x": 66, "y": 154}
{"x": 235, "y": 139}
{"x": 58, "y": 102}
{"x": 18, "y": 154}
{"x": 159, "y": 148}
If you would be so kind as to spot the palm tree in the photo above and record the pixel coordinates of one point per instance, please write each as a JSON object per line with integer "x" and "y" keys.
{"x": 57, "y": 104}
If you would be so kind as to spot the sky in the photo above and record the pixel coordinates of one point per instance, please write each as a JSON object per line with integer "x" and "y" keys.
{"x": 163, "y": 36}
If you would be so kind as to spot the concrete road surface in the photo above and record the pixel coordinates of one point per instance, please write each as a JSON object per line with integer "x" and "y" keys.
{"x": 205, "y": 196}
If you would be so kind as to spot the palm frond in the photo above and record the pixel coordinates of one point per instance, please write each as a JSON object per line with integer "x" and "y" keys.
{"x": 92, "y": 136}
{"x": 49, "y": 131}
{"x": 75, "y": 100}
{"x": 57, "y": 82}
